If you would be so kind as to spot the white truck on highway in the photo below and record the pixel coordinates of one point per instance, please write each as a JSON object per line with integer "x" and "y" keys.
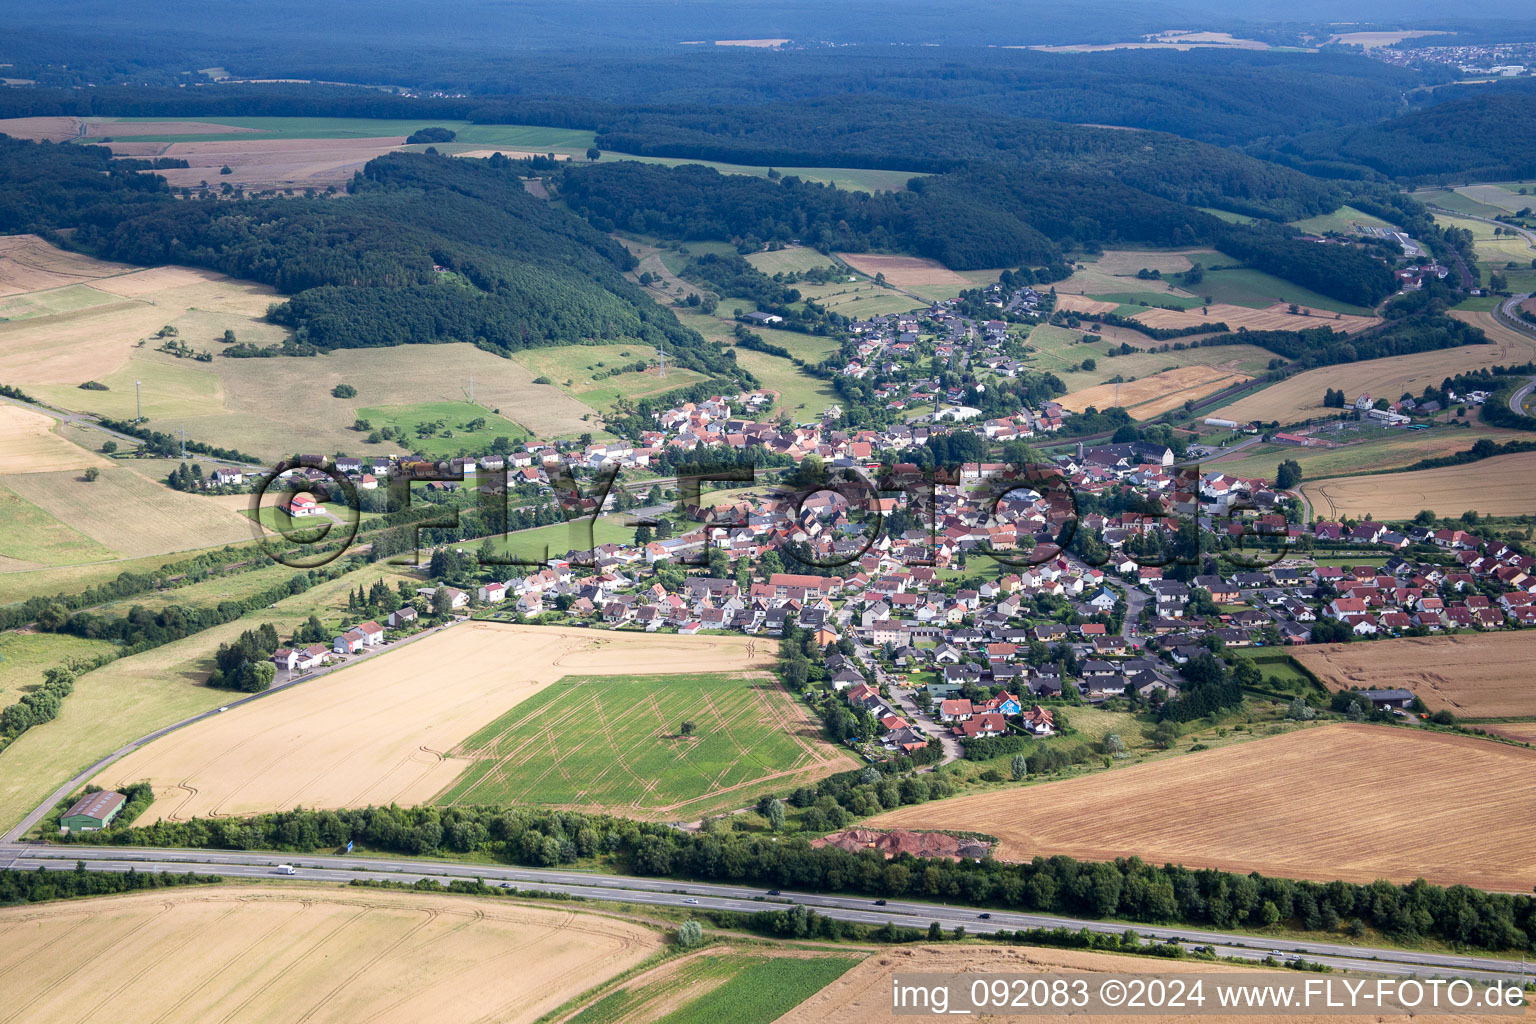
{"x": 286, "y": 869}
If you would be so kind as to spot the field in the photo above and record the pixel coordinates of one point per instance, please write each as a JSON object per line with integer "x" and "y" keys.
{"x": 1507, "y": 199}
{"x": 453, "y": 415}
{"x": 1520, "y": 732}
{"x": 126, "y": 513}
{"x": 1152, "y": 396}
{"x": 790, "y": 259}
{"x": 25, "y": 656}
{"x": 1490, "y": 249}
{"x": 29, "y": 445}
{"x": 135, "y": 695}
{"x": 1342, "y": 220}
{"x": 1501, "y": 486}
{"x": 1244, "y": 286}
{"x": 612, "y": 744}
{"x": 1299, "y": 397}
{"x": 863, "y": 995}
{"x": 859, "y": 299}
{"x": 720, "y": 984}
{"x": 239, "y": 403}
{"x": 1350, "y": 802}
{"x": 574, "y": 369}
{"x": 1385, "y": 449}
{"x": 903, "y": 271}
{"x": 800, "y": 396}
{"x": 1272, "y": 318}
{"x": 386, "y": 730}
{"x": 1474, "y": 675}
{"x": 553, "y": 541}
{"x": 262, "y": 954}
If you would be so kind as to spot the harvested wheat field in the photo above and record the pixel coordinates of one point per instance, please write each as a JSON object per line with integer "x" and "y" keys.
{"x": 1475, "y": 675}
{"x": 29, "y": 445}
{"x": 273, "y": 163}
{"x": 1520, "y": 732}
{"x": 904, "y": 271}
{"x": 41, "y": 129}
{"x": 260, "y": 955}
{"x": 380, "y": 731}
{"x": 1501, "y": 486}
{"x": 1272, "y": 318}
{"x": 1155, "y": 395}
{"x": 863, "y": 995}
{"x": 27, "y": 263}
{"x": 1083, "y": 304}
{"x": 130, "y": 129}
{"x": 1343, "y": 801}
{"x": 1299, "y": 397}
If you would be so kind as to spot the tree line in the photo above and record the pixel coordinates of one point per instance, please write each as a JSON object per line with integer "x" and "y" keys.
{"x": 1126, "y": 889}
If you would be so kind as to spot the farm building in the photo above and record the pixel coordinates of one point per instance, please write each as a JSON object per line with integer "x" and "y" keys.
{"x": 93, "y": 811}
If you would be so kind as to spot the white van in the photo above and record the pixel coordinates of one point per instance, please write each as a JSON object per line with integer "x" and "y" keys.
{"x": 286, "y": 869}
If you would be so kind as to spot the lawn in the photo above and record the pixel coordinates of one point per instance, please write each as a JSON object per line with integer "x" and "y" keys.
{"x": 1342, "y": 220}
{"x": 52, "y": 301}
{"x": 441, "y": 429}
{"x": 554, "y": 540}
{"x": 618, "y": 743}
{"x": 599, "y": 375}
{"x": 801, "y": 396}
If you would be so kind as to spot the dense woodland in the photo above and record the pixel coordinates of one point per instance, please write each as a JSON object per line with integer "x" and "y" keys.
{"x": 1484, "y": 135}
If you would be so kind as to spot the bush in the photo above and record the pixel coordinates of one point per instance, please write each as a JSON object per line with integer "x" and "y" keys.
{"x": 690, "y": 933}
{"x": 344, "y": 391}
{"x": 94, "y": 385}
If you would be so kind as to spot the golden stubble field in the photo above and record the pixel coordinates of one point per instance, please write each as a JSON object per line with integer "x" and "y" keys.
{"x": 1501, "y": 486}
{"x": 262, "y": 954}
{"x": 29, "y": 445}
{"x": 1342, "y": 801}
{"x": 1299, "y": 397}
{"x": 863, "y": 995}
{"x": 1272, "y": 318}
{"x": 904, "y": 271}
{"x": 1152, "y": 396}
{"x": 1475, "y": 675}
{"x": 380, "y": 732}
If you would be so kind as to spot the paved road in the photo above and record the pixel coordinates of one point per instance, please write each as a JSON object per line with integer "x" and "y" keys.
{"x": 667, "y": 892}
{"x": 36, "y": 814}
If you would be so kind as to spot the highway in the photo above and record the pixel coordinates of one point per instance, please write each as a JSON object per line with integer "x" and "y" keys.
{"x": 667, "y": 892}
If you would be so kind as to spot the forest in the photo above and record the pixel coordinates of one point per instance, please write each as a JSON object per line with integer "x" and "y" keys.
{"x": 1486, "y": 134}
{"x": 373, "y": 270}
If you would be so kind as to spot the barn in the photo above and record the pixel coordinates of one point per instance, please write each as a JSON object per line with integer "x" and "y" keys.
{"x": 93, "y": 811}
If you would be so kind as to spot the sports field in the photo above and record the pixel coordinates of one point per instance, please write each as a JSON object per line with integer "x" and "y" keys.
{"x": 1342, "y": 801}
{"x": 614, "y": 744}
{"x": 390, "y": 728}
{"x": 1500, "y": 486}
{"x": 1152, "y": 396}
{"x": 256, "y": 954}
{"x": 1473, "y": 675}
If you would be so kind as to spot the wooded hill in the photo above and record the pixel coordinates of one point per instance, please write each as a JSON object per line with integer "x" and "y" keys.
{"x": 426, "y": 249}
{"x": 976, "y": 217}
{"x": 1483, "y": 135}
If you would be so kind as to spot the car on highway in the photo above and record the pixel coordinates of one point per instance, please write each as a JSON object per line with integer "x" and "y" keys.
{"x": 983, "y": 917}
{"x": 879, "y": 903}
{"x": 774, "y": 892}
{"x": 691, "y": 900}
{"x": 225, "y": 708}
